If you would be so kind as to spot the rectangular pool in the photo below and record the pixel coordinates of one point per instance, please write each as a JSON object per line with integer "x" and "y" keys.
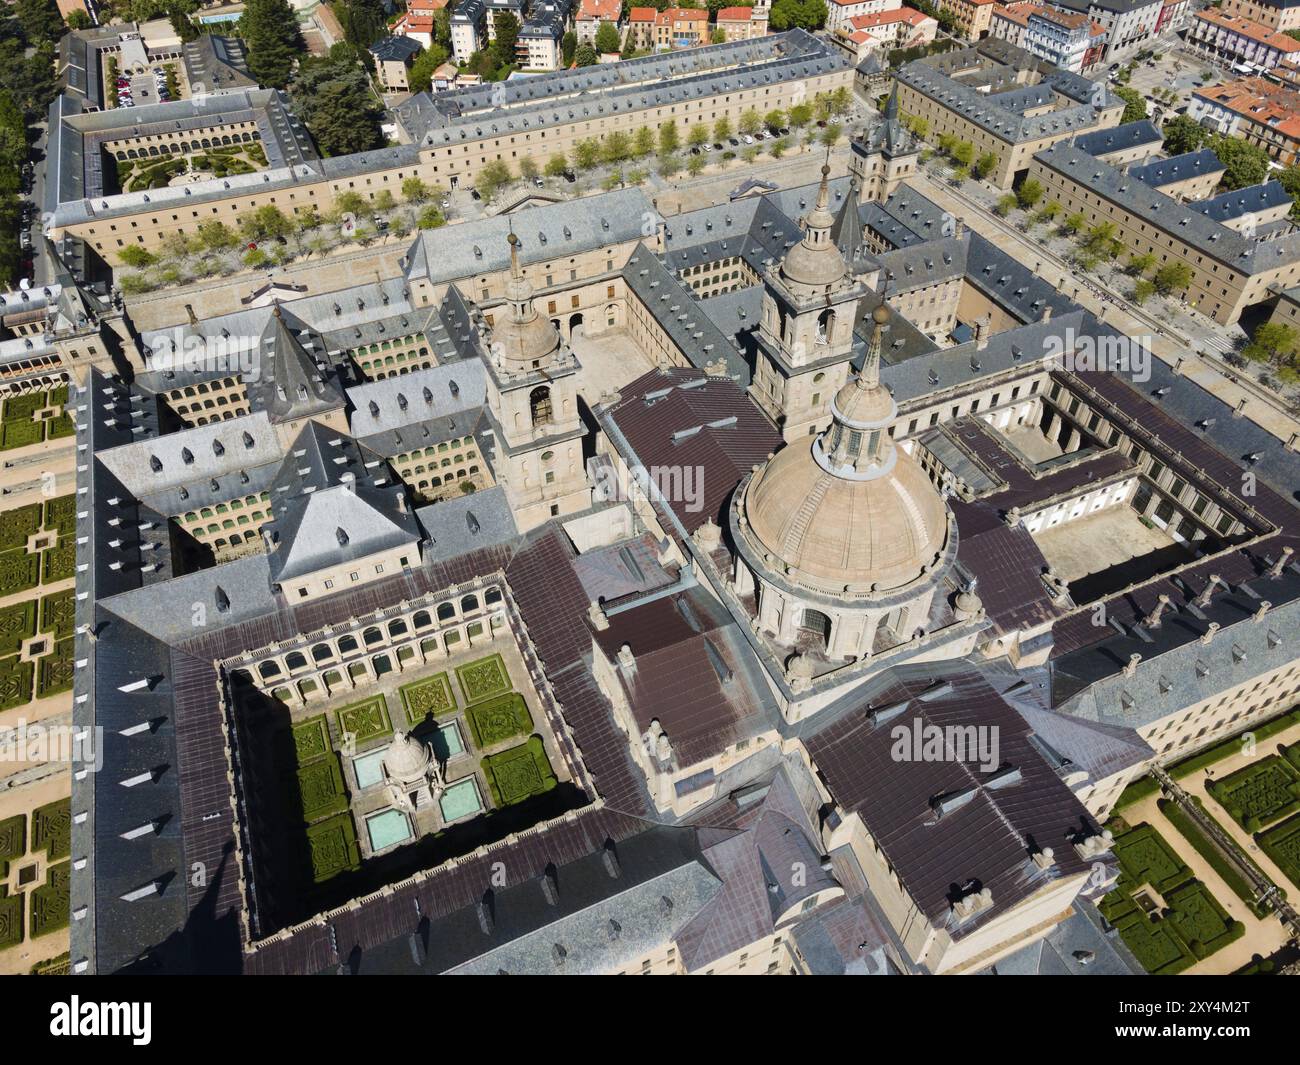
{"x": 447, "y": 742}
{"x": 387, "y": 829}
{"x": 460, "y": 800}
{"x": 369, "y": 768}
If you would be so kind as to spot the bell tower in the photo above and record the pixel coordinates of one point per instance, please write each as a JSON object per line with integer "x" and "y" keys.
{"x": 805, "y": 336}
{"x": 533, "y": 405}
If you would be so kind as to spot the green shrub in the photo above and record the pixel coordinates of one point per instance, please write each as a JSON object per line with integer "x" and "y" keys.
{"x": 1205, "y": 847}
{"x": 427, "y": 697}
{"x": 366, "y": 719}
{"x": 519, "y": 773}
{"x": 15, "y": 683}
{"x": 483, "y": 678}
{"x": 17, "y": 624}
{"x": 52, "y": 829}
{"x": 334, "y": 848}
{"x": 59, "y": 562}
{"x": 17, "y": 525}
{"x": 50, "y": 901}
{"x": 54, "y": 670}
{"x": 59, "y": 613}
{"x": 497, "y": 719}
{"x": 1232, "y": 746}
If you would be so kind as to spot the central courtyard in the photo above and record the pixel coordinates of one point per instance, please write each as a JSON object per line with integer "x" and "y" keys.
{"x": 409, "y": 754}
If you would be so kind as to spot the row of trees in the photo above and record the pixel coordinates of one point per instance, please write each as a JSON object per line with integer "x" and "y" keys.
{"x": 277, "y": 237}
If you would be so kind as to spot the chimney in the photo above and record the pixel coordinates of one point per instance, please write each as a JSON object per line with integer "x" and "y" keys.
{"x": 1132, "y": 666}
{"x": 1282, "y": 562}
{"x": 599, "y": 620}
{"x": 626, "y": 659}
{"x": 1152, "y": 620}
{"x": 1047, "y": 314}
{"x": 1263, "y": 609}
{"x": 1210, "y": 632}
{"x": 1203, "y": 600}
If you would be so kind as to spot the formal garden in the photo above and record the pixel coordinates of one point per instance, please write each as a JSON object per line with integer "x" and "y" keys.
{"x": 47, "y": 911}
{"x": 1166, "y": 917}
{"x": 1282, "y": 844}
{"x": 32, "y": 417}
{"x": 316, "y": 793}
{"x": 1260, "y": 794}
{"x": 36, "y": 633}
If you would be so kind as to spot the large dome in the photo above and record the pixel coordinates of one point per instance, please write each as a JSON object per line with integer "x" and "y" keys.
{"x": 406, "y": 758}
{"x": 841, "y": 532}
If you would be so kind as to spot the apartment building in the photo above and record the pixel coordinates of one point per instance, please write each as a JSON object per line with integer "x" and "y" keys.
{"x": 1257, "y": 110}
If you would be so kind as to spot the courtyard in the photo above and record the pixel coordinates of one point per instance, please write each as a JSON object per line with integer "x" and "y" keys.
{"x": 438, "y": 751}
{"x": 1113, "y": 536}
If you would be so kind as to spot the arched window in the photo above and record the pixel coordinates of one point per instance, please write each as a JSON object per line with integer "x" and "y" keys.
{"x": 825, "y": 326}
{"x": 539, "y": 403}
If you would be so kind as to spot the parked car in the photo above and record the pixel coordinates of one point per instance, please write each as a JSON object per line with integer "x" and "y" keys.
{"x": 474, "y": 193}
{"x": 446, "y": 202}
{"x": 748, "y": 139}
{"x": 570, "y": 177}
{"x": 539, "y": 183}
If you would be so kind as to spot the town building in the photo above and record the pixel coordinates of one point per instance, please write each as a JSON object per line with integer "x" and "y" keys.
{"x": 1279, "y": 15}
{"x": 591, "y": 13}
{"x": 972, "y": 18}
{"x": 1003, "y": 100}
{"x": 1068, "y": 40}
{"x": 393, "y": 59}
{"x": 1257, "y": 110}
{"x": 1233, "y": 39}
{"x": 903, "y": 27}
{"x": 839, "y": 12}
{"x": 742, "y": 23}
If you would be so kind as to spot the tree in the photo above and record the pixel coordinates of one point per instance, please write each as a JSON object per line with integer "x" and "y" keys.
{"x": 586, "y": 154}
{"x": 527, "y": 168}
{"x": 669, "y": 141}
{"x": 586, "y": 56}
{"x": 718, "y": 36}
{"x": 698, "y": 136}
{"x": 840, "y": 101}
{"x": 333, "y": 97}
{"x": 669, "y": 164}
{"x": 1274, "y": 343}
{"x": 136, "y": 257}
{"x": 750, "y": 122}
{"x": 1029, "y": 193}
{"x": 643, "y": 142}
{"x": 507, "y": 31}
{"x": 1074, "y": 223}
{"x": 414, "y": 190}
{"x": 1143, "y": 290}
{"x": 722, "y": 129}
{"x": 1138, "y": 265}
{"x": 1135, "y": 107}
{"x": 1172, "y": 277}
{"x": 493, "y": 178}
{"x": 617, "y": 147}
{"x": 568, "y": 45}
{"x": 1050, "y": 211}
{"x": 607, "y": 38}
{"x": 800, "y": 115}
{"x": 1183, "y": 134}
{"x": 215, "y": 235}
{"x": 831, "y": 133}
{"x": 78, "y": 20}
{"x": 1244, "y": 164}
{"x": 270, "y": 33}
{"x": 983, "y": 165}
{"x": 803, "y": 14}
{"x": 384, "y": 201}
{"x": 420, "y": 76}
{"x": 774, "y": 120}
{"x": 430, "y": 218}
{"x": 963, "y": 153}
{"x": 1005, "y": 205}
{"x": 556, "y": 165}
{"x": 363, "y": 21}
{"x": 264, "y": 223}
{"x": 40, "y": 21}
{"x": 694, "y": 165}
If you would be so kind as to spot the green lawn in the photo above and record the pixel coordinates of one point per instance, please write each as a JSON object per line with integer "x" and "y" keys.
{"x": 519, "y": 773}
{"x": 429, "y": 696}
{"x": 483, "y": 678}
{"x": 20, "y": 434}
{"x": 498, "y": 719}
{"x": 1205, "y": 847}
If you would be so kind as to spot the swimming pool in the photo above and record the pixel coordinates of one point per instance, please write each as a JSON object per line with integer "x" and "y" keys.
{"x": 460, "y": 800}
{"x": 369, "y": 768}
{"x": 387, "y": 829}
{"x": 228, "y": 16}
